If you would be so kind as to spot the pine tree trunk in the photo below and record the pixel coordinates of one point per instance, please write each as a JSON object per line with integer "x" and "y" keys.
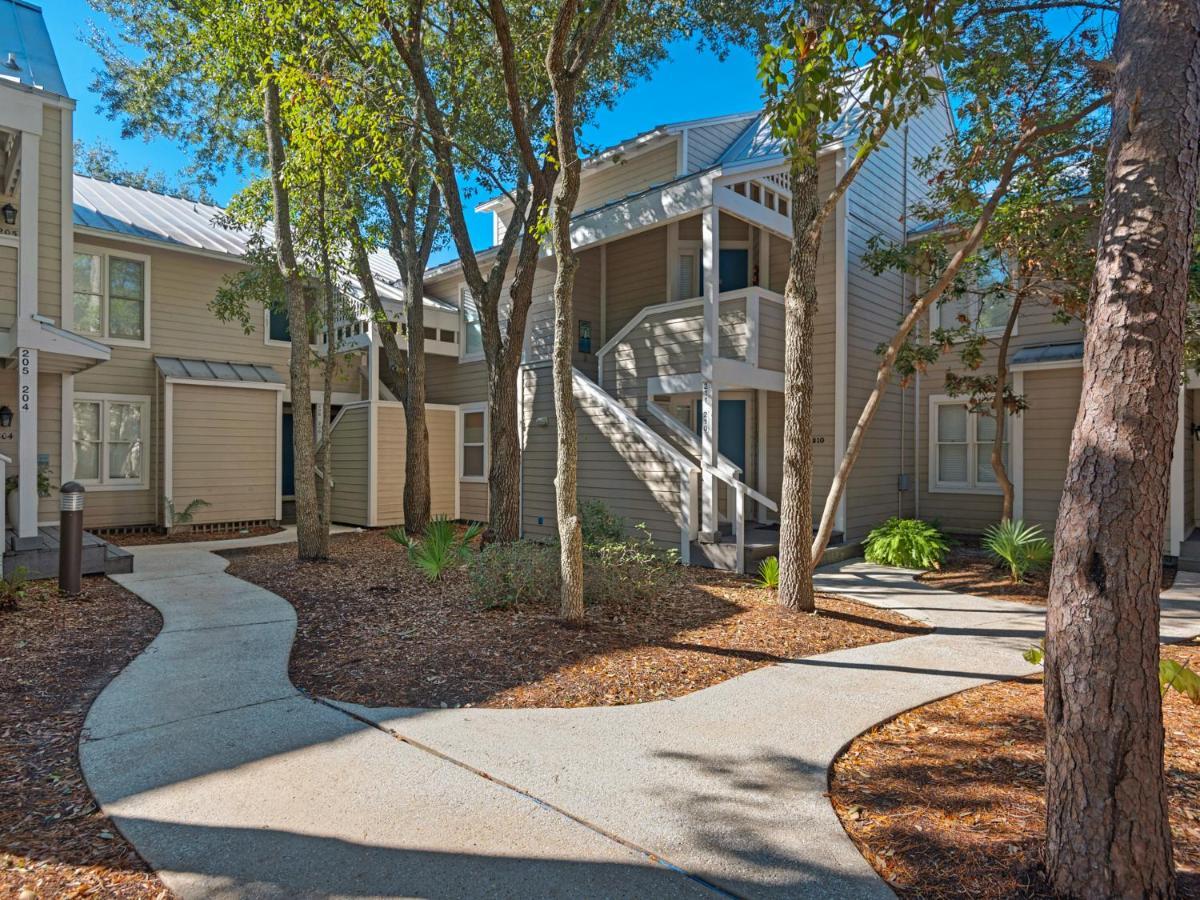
{"x": 1107, "y": 829}
{"x": 416, "y": 448}
{"x": 800, "y": 310}
{"x": 309, "y": 543}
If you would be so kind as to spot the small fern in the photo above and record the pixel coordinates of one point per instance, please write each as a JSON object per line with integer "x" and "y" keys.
{"x": 768, "y": 573}
{"x": 907, "y": 544}
{"x": 185, "y": 515}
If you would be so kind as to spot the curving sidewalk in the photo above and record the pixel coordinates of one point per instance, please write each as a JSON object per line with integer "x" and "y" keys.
{"x": 231, "y": 783}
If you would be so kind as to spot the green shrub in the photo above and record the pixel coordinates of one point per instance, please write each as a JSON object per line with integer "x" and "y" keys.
{"x": 14, "y": 587}
{"x": 908, "y": 544}
{"x": 440, "y": 549}
{"x": 630, "y": 569}
{"x": 768, "y": 573}
{"x": 1019, "y": 546}
{"x": 599, "y": 524}
{"x": 504, "y": 575}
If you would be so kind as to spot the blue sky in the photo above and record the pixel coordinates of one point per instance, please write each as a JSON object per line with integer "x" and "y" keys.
{"x": 689, "y": 85}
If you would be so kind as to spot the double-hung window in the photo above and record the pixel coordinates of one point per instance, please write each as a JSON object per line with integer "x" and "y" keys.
{"x": 111, "y": 296}
{"x": 473, "y": 443}
{"x": 110, "y": 439}
{"x": 472, "y": 330}
{"x": 985, "y": 305}
{"x": 961, "y": 447}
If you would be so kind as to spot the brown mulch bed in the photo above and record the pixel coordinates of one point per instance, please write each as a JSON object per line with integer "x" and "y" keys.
{"x": 373, "y": 630}
{"x": 144, "y": 538}
{"x": 56, "y": 655}
{"x": 947, "y": 801}
{"x": 971, "y": 571}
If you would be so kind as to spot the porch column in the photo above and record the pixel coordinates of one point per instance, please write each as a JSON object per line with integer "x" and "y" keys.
{"x": 27, "y": 435}
{"x": 710, "y": 350}
{"x": 1175, "y": 516}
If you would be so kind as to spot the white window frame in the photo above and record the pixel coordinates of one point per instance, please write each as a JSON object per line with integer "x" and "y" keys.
{"x": 105, "y": 254}
{"x": 972, "y": 485}
{"x": 463, "y": 411}
{"x": 103, "y": 484}
{"x": 268, "y": 341}
{"x": 694, "y": 249}
{"x": 464, "y": 293}
{"x": 935, "y": 319}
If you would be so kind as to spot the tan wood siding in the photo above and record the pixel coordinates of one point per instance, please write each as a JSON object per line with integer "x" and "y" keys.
{"x": 50, "y": 213}
{"x": 770, "y": 335}
{"x": 635, "y": 479}
{"x": 351, "y": 459}
{"x": 473, "y": 501}
{"x": 1053, "y": 397}
{"x": 225, "y": 450}
{"x": 390, "y": 446}
{"x": 875, "y": 207}
{"x": 623, "y": 175}
{"x": 636, "y": 276}
{"x": 449, "y": 381}
{"x": 8, "y": 286}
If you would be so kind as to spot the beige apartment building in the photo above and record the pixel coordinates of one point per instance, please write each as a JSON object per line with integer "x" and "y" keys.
{"x": 117, "y": 374}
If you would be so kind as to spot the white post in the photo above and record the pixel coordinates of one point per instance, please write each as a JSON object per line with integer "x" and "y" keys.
{"x": 27, "y": 435}
{"x": 1175, "y": 535}
{"x": 752, "y": 330}
{"x": 373, "y": 364}
{"x": 709, "y": 403}
{"x": 739, "y": 529}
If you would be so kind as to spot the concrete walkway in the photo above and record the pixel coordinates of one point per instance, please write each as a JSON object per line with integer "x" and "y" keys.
{"x": 231, "y": 783}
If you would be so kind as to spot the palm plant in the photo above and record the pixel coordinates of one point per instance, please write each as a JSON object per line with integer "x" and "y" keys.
{"x": 768, "y": 573}
{"x": 906, "y": 543}
{"x": 440, "y": 549}
{"x": 1021, "y": 547}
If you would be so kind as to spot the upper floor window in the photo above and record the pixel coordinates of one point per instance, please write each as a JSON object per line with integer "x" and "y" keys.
{"x": 109, "y": 439}
{"x": 110, "y": 296}
{"x": 472, "y": 329}
{"x": 278, "y": 328}
{"x": 473, "y": 442}
{"x": 961, "y": 446}
{"x": 985, "y": 305}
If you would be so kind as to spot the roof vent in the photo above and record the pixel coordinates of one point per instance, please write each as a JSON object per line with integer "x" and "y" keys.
{"x": 11, "y": 62}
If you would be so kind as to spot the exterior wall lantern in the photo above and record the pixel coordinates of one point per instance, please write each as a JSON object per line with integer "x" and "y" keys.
{"x": 5, "y": 416}
{"x": 10, "y": 214}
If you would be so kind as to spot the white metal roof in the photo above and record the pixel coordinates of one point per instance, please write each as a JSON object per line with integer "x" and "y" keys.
{"x": 216, "y": 370}
{"x": 139, "y": 215}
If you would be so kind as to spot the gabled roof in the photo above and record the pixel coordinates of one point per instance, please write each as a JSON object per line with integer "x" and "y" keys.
{"x": 118, "y": 211}
{"x": 26, "y": 52}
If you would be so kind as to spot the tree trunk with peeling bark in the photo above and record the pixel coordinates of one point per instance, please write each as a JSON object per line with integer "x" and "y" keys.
{"x": 309, "y": 542}
{"x": 1107, "y": 829}
{"x": 800, "y": 312}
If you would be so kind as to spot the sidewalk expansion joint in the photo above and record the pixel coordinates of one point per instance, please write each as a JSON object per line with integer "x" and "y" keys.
{"x": 649, "y": 855}
{"x": 287, "y": 621}
{"x": 85, "y": 738}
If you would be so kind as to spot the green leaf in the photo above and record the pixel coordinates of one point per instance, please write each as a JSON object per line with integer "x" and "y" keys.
{"x": 1172, "y": 674}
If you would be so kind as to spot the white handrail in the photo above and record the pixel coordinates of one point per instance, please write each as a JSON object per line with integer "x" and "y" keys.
{"x": 690, "y": 437}
{"x": 741, "y": 492}
{"x": 644, "y": 313}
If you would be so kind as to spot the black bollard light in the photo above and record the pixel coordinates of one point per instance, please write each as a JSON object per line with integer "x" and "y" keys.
{"x": 70, "y": 538}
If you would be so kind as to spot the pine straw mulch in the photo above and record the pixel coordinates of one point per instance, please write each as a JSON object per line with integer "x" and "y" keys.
{"x": 147, "y": 538}
{"x": 947, "y": 800}
{"x": 373, "y": 631}
{"x": 971, "y": 571}
{"x": 56, "y": 655}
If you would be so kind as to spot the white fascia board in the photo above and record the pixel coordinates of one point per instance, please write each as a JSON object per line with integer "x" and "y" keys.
{"x": 645, "y": 211}
{"x": 756, "y": 213}
{"x": 732, "y": 373}
{"x": 214, "y": 382}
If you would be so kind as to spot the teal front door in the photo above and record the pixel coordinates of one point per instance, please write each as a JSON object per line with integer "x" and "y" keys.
{"x": 731, "y": 430}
